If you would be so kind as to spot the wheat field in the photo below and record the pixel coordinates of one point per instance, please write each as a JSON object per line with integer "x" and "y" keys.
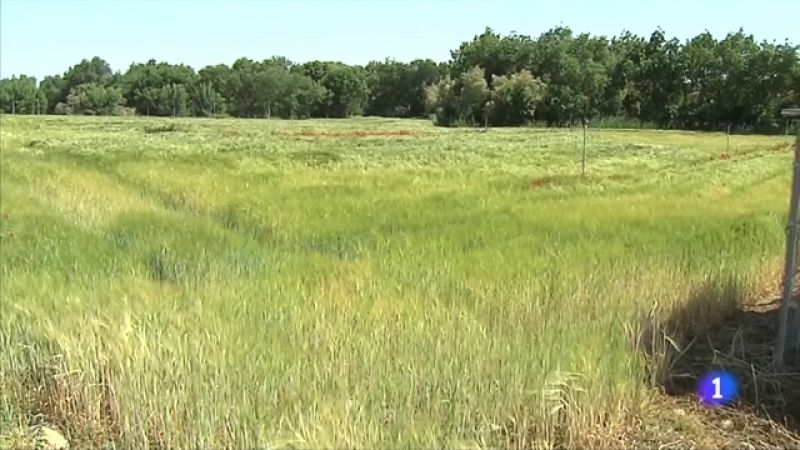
{"x": 364, "y": 283}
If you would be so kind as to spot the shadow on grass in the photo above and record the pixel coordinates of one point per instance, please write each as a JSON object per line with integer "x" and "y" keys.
{"x": 715, "y": 331}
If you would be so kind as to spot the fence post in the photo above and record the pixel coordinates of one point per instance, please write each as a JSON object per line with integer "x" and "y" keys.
{"x": 795, "y": 330}
{"x": 791, "y": 248}
{"x": 786, "y": 331}
{"x": 583, "y": 160}
{"x": 728, "y": 150}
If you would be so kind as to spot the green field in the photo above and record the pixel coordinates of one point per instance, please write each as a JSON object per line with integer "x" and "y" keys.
{"x": 366, "y": 282}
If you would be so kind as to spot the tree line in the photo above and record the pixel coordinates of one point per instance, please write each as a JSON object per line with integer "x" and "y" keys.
{"x": 559, "y": 78}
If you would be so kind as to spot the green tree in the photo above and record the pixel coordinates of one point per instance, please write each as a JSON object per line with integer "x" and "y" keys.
{"x": 220, "y": 77}
{"x": 556, "y": 64}
{"x": 304, "y": 96}
{"x": 622, "y": 96}
{"x": 398, "y": 89}
{"x": 661, "y": 80}
{"x": 440, "y": 101}
{"x": 54, "y": 91}
{"x": 461, "y": 101}
{"x": 158, "y": 88}
{"x": 423, "y": 73}
{"x": 18, "y": 95}
{"x": 89, "y": 71}
{"x": 515, "y": 98}
{"x": 94, "y": 99}
{"x": 496, "y": 55}
{"x": 592, "y": 77}
{"x": 174, "y": 97}
{"x": 205, "y": 100}
{"x": 388, "y": 83}
{"x": 347, "y": 90}
{"x": 473, "y": 93}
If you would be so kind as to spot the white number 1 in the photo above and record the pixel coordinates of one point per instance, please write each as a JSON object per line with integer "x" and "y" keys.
{"x": 717, "y": 384}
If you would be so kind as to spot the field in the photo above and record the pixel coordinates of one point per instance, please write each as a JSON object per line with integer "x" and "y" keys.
{"x": 367, "y": 282}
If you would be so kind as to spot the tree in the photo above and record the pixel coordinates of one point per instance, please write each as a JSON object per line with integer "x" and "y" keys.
{"x": 158, "y": 88}
{"x": 18, "y": 95}
{"x": 53, "y": 90}
{"x": 174, "y": 97}
{"x": 347, "y": 90}
{"x": 514, "y": 99}
{"x": 205, "y": 100}
{"x": 473, "y": 93}
{"x": 94, "y": 99}
{"x": 460, "y": 101}
{"x": 389, "y": 84}
{"x": 275, "y": 89}
{"x": 701, "y": 81}
{"x": 661, "y": 80}
{"x": 304, "y": 96}
{"x": 88, "y": 71}
{"x": 557, "y": 65}
{"x": 220, "y": 78}
{"x": 495, "y": 54}
{"x": 558, "y": 77}
{"x": 622, "y": 96}
{"x": 398, "y": 89}
{"x": 423, "y": 73}
{"x": 592, "y": 76}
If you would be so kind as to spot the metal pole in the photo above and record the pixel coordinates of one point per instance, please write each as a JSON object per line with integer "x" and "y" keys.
{"x": 796, "y": 330}
{"x": 791, "y": 248}
{"x": 728, "y": 151}
{"x": 583, "y": 162}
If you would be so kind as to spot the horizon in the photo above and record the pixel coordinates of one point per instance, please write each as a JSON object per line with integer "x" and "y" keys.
{"x": 360, "y": 31}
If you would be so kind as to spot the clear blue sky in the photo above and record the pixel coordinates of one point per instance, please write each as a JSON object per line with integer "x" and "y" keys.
{"x": 41, "y": 37}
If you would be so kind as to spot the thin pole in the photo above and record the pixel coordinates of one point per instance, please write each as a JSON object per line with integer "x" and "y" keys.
{"x": 786, "y": 131}
{"x": 791, "y": 248}
{"x": 796, "y": 330}
{"x": 728, "y": 151}
{"x": 583, "y": 162}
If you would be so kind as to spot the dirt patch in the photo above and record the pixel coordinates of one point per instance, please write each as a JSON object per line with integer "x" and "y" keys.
{"x": 783, "y": 146}
{"x": 563, "y": 180}
{"x": 680, "y": 422}
{"x": 743, "y": 344}
{"x": 231, "y": 133}
{"x": 766, "y": 413}
{"x": 350, "y": 133}
{"x": 552, "y": 180}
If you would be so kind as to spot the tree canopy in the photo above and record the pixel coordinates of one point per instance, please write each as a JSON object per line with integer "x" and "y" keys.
{"x": 558, "y": 78}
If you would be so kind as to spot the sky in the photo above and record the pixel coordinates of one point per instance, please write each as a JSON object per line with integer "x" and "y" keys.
{"x": 46, "y": 37}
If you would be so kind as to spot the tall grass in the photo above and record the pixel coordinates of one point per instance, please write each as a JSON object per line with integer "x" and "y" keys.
{"x": 249, "y": 284}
